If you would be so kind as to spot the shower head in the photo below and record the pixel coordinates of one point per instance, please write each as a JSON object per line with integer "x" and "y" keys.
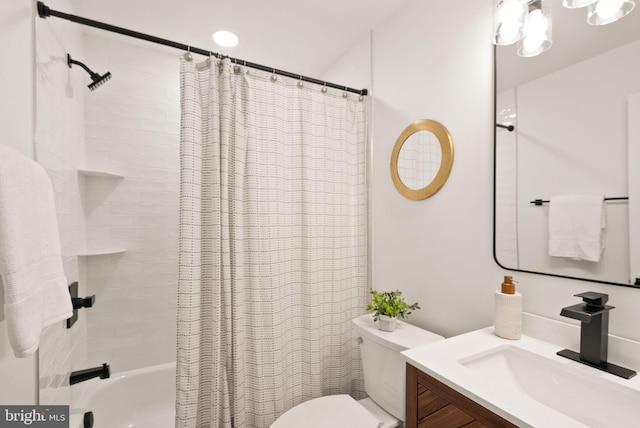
{"x": 97, "y": 80}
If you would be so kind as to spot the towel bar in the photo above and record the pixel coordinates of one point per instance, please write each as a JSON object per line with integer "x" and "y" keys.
{"x": 539, "y": 202}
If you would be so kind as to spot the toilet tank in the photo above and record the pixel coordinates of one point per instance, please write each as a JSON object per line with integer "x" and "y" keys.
{"x": 383, "y": 366}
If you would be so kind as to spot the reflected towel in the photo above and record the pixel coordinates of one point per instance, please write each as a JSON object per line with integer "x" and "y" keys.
{"x": 576, "y": 227}
{"x": 31, "y": 271}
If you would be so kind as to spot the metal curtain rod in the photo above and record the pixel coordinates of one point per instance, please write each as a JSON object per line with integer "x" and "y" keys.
{"x": 540, "y": 201}
{"x": 44, "y": 11}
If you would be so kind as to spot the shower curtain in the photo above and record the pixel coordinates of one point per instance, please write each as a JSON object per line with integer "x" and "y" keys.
{"x": 273, "y": 244}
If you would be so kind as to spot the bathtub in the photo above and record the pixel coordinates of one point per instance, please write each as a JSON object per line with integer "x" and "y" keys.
{"x": 141, "y": 398}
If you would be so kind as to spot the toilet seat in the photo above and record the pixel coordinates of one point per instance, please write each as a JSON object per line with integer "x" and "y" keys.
{"x": 336, "y": 411}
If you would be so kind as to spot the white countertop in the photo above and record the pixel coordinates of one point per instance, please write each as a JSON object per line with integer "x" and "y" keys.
{"x": 444, "y": 360}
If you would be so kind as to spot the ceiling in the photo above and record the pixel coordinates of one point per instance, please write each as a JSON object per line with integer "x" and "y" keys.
{"x": 306, "y": 37}
{"x": 573, "y": 41}
{"x": 302, "y": 37}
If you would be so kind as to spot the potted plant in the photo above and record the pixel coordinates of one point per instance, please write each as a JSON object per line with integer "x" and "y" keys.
{"x": 388, "y": 306}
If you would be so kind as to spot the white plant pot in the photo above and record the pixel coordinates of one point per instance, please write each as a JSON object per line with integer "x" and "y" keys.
{"x": 387, "y": 323}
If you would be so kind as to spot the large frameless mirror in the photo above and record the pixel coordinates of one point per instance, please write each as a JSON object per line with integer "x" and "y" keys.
{"x": 575, "y": 117}
{"x": 421, "y": 159}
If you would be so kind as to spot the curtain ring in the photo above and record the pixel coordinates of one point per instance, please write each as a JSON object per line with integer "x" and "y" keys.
{"x": 345, "y": 94}
{"x": 187, "y": 55}
{"x": 300, "y": 83}
{"x": 273, "y": 75}
{"x": 324, "y": 88}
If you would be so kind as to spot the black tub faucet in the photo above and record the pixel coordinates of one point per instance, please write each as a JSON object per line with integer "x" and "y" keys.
{"x": 103, "y": 372}
{"x": 593, "y": 315}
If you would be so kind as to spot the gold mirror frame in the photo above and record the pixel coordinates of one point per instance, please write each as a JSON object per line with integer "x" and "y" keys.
{"x": 446, "y": 144}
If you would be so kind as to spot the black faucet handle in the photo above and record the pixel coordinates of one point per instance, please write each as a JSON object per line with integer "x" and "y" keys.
{"x": 83, "y": 302}
{"x": 593, "y": 299}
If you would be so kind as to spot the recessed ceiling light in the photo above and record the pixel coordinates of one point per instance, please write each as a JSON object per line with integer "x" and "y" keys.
{"x": 225, "y": 38}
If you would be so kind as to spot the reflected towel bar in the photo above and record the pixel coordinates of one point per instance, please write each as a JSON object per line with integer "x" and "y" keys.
{"x": 540, "y": 201}
{"x": 509, "y": 128}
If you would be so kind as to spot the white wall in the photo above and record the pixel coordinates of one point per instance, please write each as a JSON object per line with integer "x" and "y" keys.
{"x": 16, "y": 75}
{"x": 140, "y": 114}
{"x": 633, "y": 123}
{"x": 18, "y": 377}
{"x": 59, "y": 148}
{"x": 433, "y": 59}
{"x": 353, "y": 68}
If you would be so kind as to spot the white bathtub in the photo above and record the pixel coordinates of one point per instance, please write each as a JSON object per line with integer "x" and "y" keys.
{"x": 142, "y": 398}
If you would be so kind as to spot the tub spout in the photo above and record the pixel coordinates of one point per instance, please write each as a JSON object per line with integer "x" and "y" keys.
{"x": 103, "y": 372}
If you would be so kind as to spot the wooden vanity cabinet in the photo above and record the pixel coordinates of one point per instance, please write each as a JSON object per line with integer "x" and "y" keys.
{"x": 432, "y": 404}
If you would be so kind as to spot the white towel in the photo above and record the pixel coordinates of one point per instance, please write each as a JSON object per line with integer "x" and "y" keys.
{"x": 35, "y": 288}
{"x": 576, "y": 226}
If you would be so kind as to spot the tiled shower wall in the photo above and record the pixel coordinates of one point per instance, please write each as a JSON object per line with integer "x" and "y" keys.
{"x": 132, "y": 129}
{"x": 129, "y": 126}
{"x": 59, "y": 148}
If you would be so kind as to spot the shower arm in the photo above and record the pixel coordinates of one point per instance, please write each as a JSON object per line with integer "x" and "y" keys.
{"x": 71, "y": 61}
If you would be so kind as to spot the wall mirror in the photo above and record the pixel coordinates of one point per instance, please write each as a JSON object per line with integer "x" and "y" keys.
{"x": 575, "y": 110}
{"x": 421, "y": 159}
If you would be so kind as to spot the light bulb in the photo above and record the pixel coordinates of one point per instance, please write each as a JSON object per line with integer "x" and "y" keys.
{"x": 608, "y": 8}
{"x": 533, "y": 42}
{"x": 574, "y": 4}
{"x": 510, "y": 11}
{"x": 509, "y": 31}
{"x": 607, "y": 11}
{"x": 536, "y": 23}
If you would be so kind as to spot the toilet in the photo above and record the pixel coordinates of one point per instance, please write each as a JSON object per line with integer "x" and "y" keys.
{"x": 384, "y": 383}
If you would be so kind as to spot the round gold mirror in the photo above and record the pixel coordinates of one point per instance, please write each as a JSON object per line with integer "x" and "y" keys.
{"x": 421, "y": 159}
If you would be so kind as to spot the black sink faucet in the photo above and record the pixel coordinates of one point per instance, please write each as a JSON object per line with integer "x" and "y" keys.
{"x": 593, "y": 315}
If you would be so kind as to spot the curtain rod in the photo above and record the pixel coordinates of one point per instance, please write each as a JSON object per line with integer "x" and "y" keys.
{"x": 44, "y": 12}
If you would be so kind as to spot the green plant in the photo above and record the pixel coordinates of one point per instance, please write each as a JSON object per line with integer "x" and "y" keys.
{"x": 390, "y": 303}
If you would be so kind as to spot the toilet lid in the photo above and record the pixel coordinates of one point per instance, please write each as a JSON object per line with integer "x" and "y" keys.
{"x": 336, "y": 411}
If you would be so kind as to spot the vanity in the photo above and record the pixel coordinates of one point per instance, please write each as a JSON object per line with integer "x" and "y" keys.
{"x": 431, "y": 403}
{"x": 478, "y": 379}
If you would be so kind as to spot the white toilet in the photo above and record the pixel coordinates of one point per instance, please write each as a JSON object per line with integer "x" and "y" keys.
{"x": 384, "y": 382}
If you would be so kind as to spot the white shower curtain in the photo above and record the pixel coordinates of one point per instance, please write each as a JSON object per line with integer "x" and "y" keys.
{"x": 273, "y": 245}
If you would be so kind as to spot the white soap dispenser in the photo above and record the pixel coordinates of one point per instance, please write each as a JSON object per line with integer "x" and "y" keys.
{"x": 508, "y": 311}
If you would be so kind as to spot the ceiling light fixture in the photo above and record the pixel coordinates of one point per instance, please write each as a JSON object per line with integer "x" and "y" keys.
{"x": 508, "y": 21}
{"x": 225, "y": 38}
{"x": 575, "y": 4}
{"x": 528, "y": 22}
{"x": 536, "y": 32}
{"x": 607, "y": 11}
